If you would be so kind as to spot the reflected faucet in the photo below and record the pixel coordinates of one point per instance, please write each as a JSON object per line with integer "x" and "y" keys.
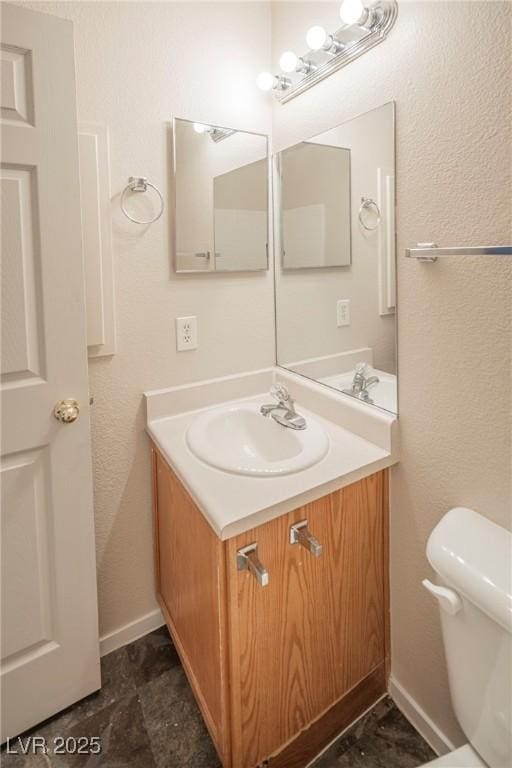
{"x": 284, "y": 411}
{"x": 362, "y": 383}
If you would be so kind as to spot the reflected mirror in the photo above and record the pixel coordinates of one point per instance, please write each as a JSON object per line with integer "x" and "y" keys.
{"x": 335, "y": 280}
{"x": 315, "y": 216}
{"x": 220, "y": 197}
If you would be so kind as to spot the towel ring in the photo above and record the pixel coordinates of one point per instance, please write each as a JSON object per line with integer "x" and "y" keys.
{"x": 140, "y": 184}
{"x": 366, "y": 204}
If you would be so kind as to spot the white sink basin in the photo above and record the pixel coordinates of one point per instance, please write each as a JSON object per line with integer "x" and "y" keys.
{"x": 238, "y": 439}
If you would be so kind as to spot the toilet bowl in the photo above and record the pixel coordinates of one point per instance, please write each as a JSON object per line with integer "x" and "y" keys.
{"x": 472, "y": 558}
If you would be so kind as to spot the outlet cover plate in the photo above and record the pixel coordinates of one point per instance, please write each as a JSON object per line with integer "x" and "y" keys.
{"x": 186, "y": 333}
{"x": 343, "y": 312}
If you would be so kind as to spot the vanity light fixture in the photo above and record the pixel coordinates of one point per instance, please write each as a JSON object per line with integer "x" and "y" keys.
{"x": 319, "y": 40}
{"x": 354, "y": 12}
{"x": 216, "y": 134}
{"x": 268, "y": 82}
{"x": 290, "y": 62}
{"x": 364, "y": 26}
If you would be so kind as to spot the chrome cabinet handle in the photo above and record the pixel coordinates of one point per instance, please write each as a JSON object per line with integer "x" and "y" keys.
{"x": 299, "y": 534}
{"x": 67, "y": 411}
{"x": 247, "y": 560}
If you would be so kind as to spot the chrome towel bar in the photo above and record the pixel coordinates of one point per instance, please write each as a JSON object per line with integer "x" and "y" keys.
{"x": 430, "y": 251}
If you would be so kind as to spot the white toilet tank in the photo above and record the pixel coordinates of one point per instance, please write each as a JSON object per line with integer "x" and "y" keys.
{"x": 473, "y": 559}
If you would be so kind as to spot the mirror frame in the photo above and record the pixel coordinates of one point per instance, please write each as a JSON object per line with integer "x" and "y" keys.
{"x": 172, "y": 205}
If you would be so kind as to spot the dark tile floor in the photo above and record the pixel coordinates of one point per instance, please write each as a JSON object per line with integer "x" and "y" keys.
{"x": 383, "y": 738}
{"x": 146, "y": 717}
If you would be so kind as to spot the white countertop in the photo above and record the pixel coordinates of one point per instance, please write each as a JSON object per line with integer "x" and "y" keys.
{"x": 235, "y": 503}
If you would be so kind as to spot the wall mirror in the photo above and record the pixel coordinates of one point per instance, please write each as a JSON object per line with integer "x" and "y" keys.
{"x": 335, "y": 280}
{"x": 220, "y": 190}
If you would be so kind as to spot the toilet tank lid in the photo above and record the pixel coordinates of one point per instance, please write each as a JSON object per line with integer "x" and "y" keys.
{"x": 474, "y": 555}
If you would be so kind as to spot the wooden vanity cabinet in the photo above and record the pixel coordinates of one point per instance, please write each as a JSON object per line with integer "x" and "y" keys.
{"x": 277, "y": 670}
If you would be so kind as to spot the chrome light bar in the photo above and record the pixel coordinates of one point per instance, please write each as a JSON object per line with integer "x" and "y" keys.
{"x": 346, "y": 44}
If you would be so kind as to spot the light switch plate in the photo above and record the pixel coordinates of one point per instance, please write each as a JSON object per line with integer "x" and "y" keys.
{"x": 343, "y": 312}
{"x": 186, "y": 333}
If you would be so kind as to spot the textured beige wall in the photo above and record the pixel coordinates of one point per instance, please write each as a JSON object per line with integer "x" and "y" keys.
{"x": 137, "y": 65}
{"x": 447, "y": 66}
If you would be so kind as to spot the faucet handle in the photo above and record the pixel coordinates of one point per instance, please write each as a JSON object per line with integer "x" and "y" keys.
{"x": 362, "y": 368}
{"x": 280, "y": 392}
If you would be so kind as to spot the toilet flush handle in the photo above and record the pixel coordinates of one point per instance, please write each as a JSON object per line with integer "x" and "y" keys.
{"x": 448, "y": 598}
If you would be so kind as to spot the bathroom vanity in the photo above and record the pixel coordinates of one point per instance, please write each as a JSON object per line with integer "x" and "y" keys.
{"x": 274, "y": 589}
{"x": 270, "y": 539}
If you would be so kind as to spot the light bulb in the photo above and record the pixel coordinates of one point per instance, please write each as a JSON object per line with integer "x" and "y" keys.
{"x": 200, "y": 128}
{"x": 288, "y": 61}
{"x": 353, "y": 12}
{"x": 265, "y": 81}
{"x": 316, "y": 38}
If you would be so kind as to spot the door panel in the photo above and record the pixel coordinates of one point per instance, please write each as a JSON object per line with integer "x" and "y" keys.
{"x": 317, "y": 629}
{"x": 50, "y": 654}
{"x": 22, "y": 320}
{"x": 26, "y": 558}
{"x": 17, "y": 92}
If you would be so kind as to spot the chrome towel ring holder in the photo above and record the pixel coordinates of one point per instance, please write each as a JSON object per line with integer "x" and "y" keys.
{"x": 368, "y": 204}
{"x": 140, "y": 184}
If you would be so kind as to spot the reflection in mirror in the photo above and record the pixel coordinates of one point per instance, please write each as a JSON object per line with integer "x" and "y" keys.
{"x": 315, "y": 215}
{"x": 240, "y": 217}
{"x": 337, "y": 324}
{"x": 221, "y": 198}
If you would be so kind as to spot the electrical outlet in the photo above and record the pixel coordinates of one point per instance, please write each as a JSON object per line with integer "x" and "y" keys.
{"x": 343, "y": 312}
{"x": 186, "y": 333}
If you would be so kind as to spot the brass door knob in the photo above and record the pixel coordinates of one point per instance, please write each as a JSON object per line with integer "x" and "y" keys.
{"x": 66, "y": 411}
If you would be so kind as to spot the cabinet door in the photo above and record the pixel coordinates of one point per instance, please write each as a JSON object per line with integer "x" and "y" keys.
{"x": 318, "y": 628}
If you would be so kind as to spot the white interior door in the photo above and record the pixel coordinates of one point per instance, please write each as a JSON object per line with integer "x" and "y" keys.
{"x": 49, "y": 621}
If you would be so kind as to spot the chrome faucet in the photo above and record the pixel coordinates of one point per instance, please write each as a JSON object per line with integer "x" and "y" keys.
{"x": 284, "y": 411}
{"x": 362, "y": 383}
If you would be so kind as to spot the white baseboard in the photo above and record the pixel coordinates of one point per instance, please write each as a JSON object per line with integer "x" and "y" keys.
{"x": 425, "y": 726}
{"x": 130, "y": 632}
